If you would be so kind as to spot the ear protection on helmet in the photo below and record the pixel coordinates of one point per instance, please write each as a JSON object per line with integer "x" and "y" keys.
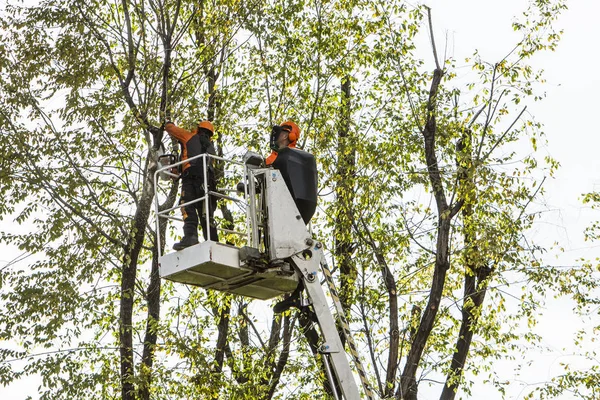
{"x": 292, "y": 128}
{"x": 292, "y": 136}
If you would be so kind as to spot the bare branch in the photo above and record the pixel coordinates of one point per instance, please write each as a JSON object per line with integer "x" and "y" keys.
{"x": 256, "y": 332}
{"x": 435, "y": 56}
{"x": 368, "y": 335}
{"x": 502, "y": 137}
{"x": 489, "y": 113}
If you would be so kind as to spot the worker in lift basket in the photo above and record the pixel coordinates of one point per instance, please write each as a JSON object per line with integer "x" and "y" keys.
{"x": 192, "y": 183}
{"x": 282, "y": 136}
{"x": 298, "y": 168}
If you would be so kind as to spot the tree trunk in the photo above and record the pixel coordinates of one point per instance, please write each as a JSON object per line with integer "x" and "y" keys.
{"x": 476, "y": 273}
{"x": 130, "y": 260}
{"x": 344, "y": 189}
{"x": 394, "y": 332}
{"x": 223, "y": 329}
{"x": 475, "y": 291}
{"x": 153, "y": 301}
{"x": 408, "y": 385}
{"x": 283, "y": 357}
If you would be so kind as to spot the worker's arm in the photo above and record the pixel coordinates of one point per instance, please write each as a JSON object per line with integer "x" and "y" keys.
{"x": 178, "y": 133}
{"x": 207, "y": 144}
{"x": 211, "y": 149}
{"x": 271, "y": 159}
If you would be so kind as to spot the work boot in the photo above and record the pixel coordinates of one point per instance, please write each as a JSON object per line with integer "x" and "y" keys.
{"x": 187, "y": 241}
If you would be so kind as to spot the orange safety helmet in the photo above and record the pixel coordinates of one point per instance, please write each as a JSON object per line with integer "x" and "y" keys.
{"x": 206, "y": 124}
{"x": 294, "y": 131}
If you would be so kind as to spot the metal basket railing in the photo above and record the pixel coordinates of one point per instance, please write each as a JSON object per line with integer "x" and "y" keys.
{"x": 248, "y": 200}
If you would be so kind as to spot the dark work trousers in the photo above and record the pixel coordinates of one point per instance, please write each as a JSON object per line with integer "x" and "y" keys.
{"x": 192, "y": 188}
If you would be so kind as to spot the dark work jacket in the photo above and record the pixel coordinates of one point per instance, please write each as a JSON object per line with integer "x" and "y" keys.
{"x": 192, "y": 144}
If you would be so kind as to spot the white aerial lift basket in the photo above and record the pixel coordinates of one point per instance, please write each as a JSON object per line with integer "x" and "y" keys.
{"x": 279, "y": 252}
{"x": 217, "y": 266}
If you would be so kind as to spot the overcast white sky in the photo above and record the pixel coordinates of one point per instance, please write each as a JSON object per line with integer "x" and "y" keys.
{"x": 568, "y": 114}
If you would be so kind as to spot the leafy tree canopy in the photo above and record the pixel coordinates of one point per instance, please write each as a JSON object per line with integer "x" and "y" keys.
{"x": 425, "y": 193}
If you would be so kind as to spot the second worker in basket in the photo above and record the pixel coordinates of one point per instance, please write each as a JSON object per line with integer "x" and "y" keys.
{"x": 192, "y": 181}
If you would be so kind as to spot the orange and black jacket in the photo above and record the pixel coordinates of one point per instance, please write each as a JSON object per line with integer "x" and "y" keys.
{"x": 192, "y": 144}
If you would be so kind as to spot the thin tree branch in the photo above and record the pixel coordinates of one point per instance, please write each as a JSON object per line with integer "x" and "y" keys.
{"x": 435, "y": 56}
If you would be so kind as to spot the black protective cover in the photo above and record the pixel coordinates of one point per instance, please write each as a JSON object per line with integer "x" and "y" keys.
{"x": 299, "y": 171}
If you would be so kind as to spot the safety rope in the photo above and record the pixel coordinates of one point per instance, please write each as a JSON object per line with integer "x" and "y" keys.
{"x": 346, "y": 329}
